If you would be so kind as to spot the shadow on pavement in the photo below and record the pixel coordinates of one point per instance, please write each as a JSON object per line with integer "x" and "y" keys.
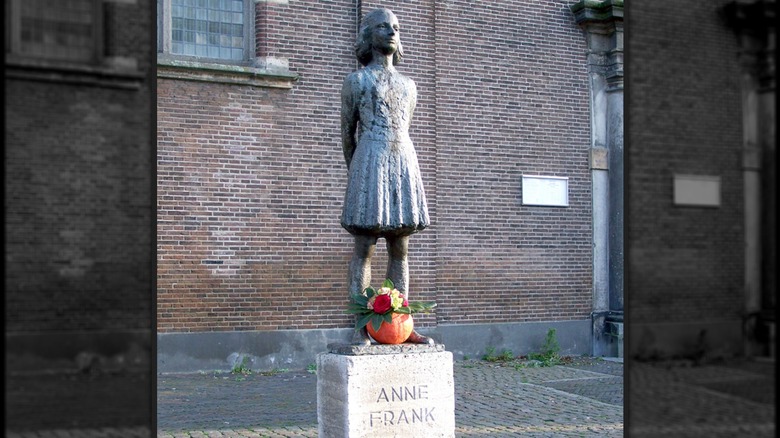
{"x": 73, "y": 400}
{"x": 726, "y": 397}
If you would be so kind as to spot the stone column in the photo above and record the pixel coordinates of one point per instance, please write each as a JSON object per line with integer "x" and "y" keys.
{"x": 754, "y": 25}
{"x": 602, "y": 22}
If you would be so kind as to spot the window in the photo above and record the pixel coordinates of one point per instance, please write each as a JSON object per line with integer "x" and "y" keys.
{"x": 214, "y": 41}
{"x": 64, "y": 30}
{"x": 214, "y": 30}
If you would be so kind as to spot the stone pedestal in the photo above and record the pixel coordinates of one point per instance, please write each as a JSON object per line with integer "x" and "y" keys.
{"x": 402, "y": 390}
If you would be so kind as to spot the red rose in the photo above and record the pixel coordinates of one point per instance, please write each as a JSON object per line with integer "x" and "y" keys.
{"x": 382, "y": 303}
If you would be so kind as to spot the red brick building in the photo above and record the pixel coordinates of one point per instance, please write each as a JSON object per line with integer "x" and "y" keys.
{"x": 702, "y": 273}
{"x": 79, "y": 185}
{"x": 79, "y": 210}
{"x": 251, "y": 257}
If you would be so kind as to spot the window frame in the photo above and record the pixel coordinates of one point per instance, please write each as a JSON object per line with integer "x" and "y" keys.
{"x": 100, "y": 70}
{"x": 164, "y": 37}
{"x": 254, "y": 71}
{"x": 13, "y": 35}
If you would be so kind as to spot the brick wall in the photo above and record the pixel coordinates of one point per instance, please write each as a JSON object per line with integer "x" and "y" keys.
{"x": 129, "y": 30}
{"x": 251, "y": 180}
{"x": 79, "y": 192}
{"x": 512, "y": 100}
{"x": 684, "y": 263}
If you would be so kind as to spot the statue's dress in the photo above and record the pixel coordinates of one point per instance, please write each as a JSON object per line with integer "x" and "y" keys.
{"x": 385, "y": 195}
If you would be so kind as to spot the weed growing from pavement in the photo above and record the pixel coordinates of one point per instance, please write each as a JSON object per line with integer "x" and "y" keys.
{"x": 242, "y": 368}
{"x": 312, "y": 368}
{"x": 549, "y": 355}
{"x": 490, "y": 355}
{"x": 273, "y": 372}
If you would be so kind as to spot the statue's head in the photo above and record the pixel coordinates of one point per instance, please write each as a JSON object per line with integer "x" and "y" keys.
{"x": 368, "y": 27}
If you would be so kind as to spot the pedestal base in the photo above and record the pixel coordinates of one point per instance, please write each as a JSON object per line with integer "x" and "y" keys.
{"x": 385, "y": 391}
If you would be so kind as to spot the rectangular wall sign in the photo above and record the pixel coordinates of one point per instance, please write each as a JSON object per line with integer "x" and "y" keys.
{"x": 697, "y": 190}
{"x": 546, "y": 190}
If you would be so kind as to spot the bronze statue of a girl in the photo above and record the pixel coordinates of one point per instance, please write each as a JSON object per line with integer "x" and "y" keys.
{"x": 384, "y": 196}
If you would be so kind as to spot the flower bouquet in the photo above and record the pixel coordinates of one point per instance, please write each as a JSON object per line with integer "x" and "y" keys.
{"x": 386, "y": 305}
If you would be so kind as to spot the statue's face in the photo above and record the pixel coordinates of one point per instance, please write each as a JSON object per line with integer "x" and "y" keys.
{"x": 385, "y": 33}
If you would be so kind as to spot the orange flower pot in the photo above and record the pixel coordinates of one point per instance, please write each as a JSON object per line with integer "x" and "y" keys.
{"x": 396, "y": 332}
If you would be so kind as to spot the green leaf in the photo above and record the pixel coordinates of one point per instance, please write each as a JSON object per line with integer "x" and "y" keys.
{"x": 360, "y": 299}
{"x": 364, "y": 320}
{"x": 370, "y": 292}
{"x": 407, "y": 310}
{"x": 388, "y": 317}
{"x": 355, "y": 309}
{"x": 421, "y": 307}
{"x": 376, "y": 320}
{"x": 388, "y": 283}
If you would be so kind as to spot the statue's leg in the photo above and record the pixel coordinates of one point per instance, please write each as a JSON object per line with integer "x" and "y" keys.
{"x": 360, "y": 265}
{"x": 416, "y": 338}
{"x": 360, "y": 276}
{"x": 397, "y": 264}
{"x": 398, "y": 273}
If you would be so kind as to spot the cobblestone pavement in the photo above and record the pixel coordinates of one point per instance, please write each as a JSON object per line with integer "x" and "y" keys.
{"x": 71, "y": 403}
{"x": 491, "y": 399}
{"x": 720, "y": 399}
{"x": 498, "y": 399}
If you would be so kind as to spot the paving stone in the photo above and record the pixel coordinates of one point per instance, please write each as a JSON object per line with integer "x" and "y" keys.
{"x": 581, "y": 399}
{"x": 682, "y": 399}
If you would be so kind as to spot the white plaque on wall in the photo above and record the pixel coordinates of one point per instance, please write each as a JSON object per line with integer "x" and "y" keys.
{"x": 697, "y": 190}
{"x": 546, "y": 190}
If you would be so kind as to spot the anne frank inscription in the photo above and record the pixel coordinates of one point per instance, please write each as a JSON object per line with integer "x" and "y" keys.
{"x": 384, "y": 395}
{"x": 392, "y": 415}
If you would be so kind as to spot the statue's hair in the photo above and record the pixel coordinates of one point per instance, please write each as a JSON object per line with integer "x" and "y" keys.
{"x": 363, "y": 43}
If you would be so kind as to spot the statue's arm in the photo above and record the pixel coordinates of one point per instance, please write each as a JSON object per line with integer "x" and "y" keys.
{"x": 413, "y": 98}
{"x": 349, "y": 119}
